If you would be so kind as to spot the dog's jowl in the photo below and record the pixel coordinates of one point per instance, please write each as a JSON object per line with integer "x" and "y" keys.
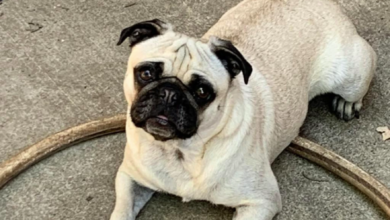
{"x": 207, "y": 117}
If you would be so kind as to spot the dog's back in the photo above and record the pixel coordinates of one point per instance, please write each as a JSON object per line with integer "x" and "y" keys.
{"x": 300, "y": 47}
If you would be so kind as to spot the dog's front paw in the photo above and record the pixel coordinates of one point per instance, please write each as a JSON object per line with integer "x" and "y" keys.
{"x": 121, "y": 216}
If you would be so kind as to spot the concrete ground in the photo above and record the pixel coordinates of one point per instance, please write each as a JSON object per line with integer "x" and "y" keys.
{"x": 60, "y": 67}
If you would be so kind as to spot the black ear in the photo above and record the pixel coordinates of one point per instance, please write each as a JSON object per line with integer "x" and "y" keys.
{"x": 231, "y": 58}
{"x": 143, "y": 31}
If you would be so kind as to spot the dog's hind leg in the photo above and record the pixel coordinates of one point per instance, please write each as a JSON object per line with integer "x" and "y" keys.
{"x": 346, "y": 70}
{"x": 356, "y": 80}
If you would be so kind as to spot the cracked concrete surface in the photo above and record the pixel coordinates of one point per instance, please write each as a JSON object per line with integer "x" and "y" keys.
{"x": 60, "y": 67}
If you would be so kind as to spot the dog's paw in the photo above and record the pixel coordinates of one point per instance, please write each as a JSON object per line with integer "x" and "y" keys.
{"x": 121, "y": 216}
{"x": 344, "y": 109}
{"x": 185, "y": 200}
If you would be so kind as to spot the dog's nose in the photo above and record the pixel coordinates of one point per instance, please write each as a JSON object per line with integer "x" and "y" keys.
{"x": 169, "y": 95}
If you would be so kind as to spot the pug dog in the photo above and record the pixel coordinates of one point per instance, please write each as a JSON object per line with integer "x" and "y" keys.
{"x": 207, "y": 117}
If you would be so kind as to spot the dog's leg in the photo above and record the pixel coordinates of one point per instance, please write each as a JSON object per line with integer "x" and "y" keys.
{"x": 356, "y": 79}
{"x": 255, "y": 212}
{"x": 268, "y": 201}
{"x": 346, "y": 69}
{"x": 130, "y": 197}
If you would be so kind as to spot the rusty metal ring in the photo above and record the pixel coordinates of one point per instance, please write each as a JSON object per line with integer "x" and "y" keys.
{"x": 300, "y": 146}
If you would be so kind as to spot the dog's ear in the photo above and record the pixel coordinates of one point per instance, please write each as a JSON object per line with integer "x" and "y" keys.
{"x": 231, "y": 58}
{"x": 143, "y": 31}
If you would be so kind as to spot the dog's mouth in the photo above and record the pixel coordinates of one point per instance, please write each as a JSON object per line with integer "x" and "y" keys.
{"x": 162, "y": 120}
{"x": 160, "y": 127}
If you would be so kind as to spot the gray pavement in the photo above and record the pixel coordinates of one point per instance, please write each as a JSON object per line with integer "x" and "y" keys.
{"x": 59, "y": 67}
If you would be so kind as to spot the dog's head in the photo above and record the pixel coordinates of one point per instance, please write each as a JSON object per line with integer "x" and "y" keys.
{"x": 175, "y": 83}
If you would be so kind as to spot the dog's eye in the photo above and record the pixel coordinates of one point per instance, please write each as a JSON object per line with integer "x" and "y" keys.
{"x": 136, "y": 33}
{"x": 146, "y": 75}
{"x": 202, "y": 93}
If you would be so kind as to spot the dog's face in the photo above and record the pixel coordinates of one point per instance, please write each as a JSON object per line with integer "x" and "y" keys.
{"x": 175, "y": 84}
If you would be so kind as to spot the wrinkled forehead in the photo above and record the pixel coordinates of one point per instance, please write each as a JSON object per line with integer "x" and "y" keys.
{"x": 182, "y": 56}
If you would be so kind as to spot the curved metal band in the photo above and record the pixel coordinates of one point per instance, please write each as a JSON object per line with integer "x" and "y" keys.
{"x": 300, "y": 146}
{"x": 59, "y": 141}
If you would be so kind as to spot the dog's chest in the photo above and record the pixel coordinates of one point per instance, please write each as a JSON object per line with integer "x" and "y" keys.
{"x": 168, "y": 169}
